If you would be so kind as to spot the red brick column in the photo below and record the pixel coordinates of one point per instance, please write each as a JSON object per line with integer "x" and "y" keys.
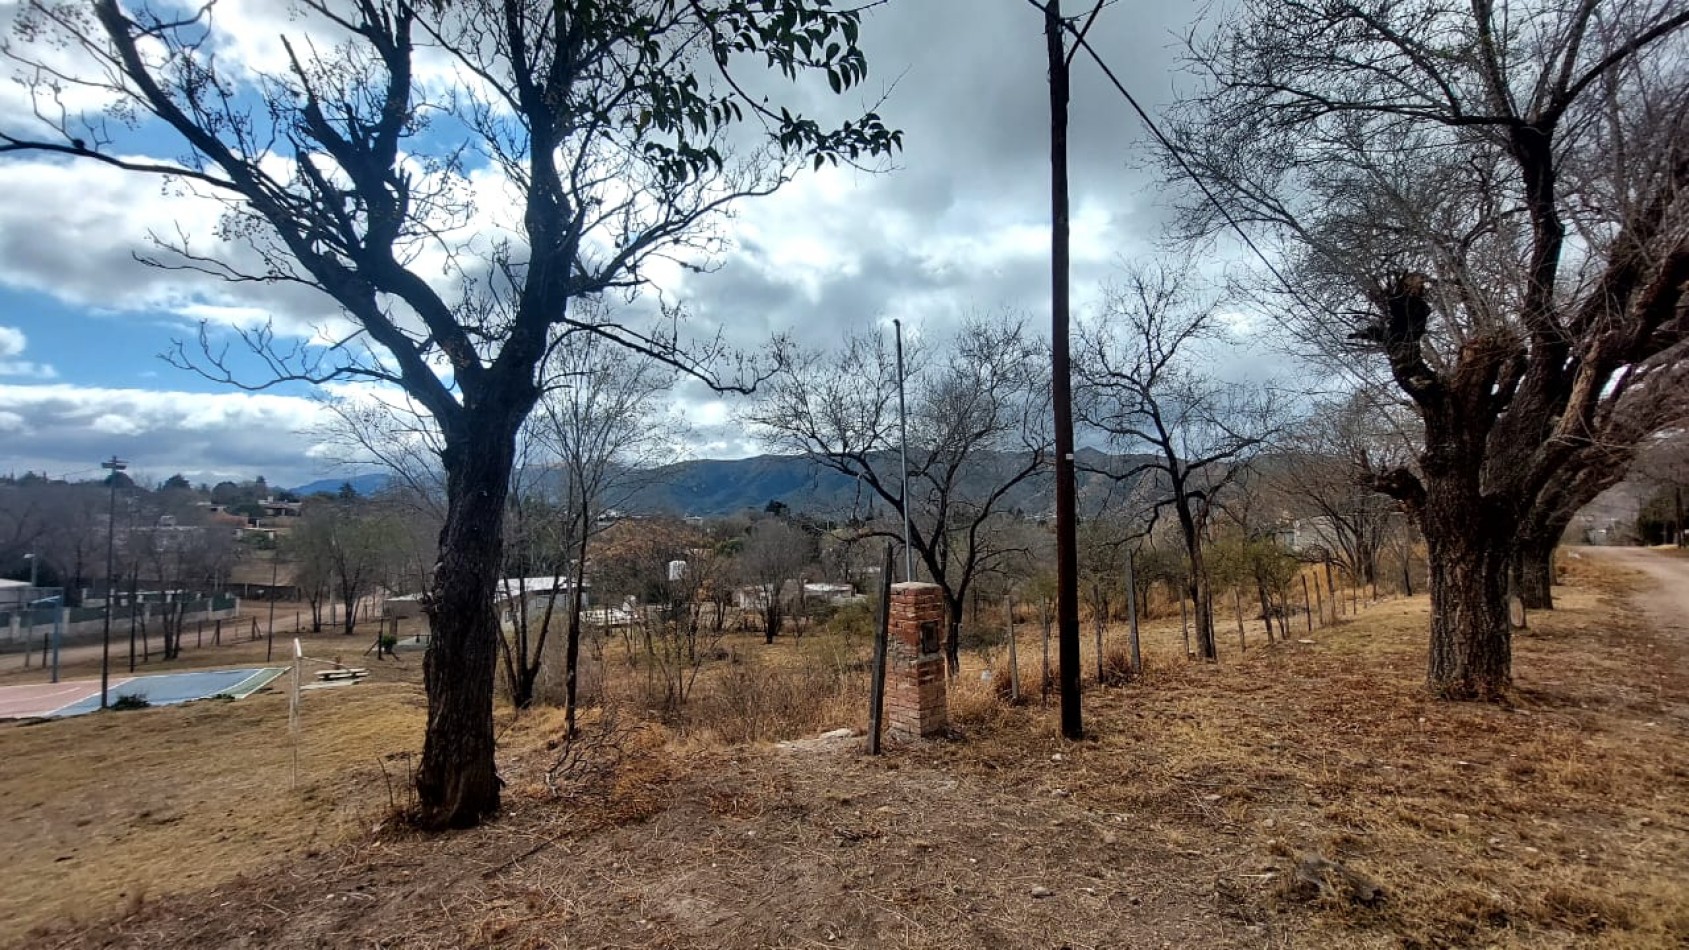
{"x": 915, "y": 703}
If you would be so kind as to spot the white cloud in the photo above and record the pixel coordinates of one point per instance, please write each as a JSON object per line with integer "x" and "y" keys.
{"x": 61, "y": 428}
{"x": 12, "y": 344}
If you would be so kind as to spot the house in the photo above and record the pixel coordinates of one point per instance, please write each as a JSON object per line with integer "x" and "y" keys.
{"x": 536, "y": 594}
{"x": 15, "y": 594}
{"x": 279, "y": 510}
{"x": 755, "y": 596}
{"x": 828, "y": 593}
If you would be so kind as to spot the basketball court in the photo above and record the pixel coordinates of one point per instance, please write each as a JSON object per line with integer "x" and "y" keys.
{"x": 44, "y": 700}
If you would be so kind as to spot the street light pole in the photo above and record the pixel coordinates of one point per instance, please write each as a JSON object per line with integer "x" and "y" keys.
{"x": 116, "y": 465}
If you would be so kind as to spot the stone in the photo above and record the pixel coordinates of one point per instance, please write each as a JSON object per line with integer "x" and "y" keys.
{"x": 1040, "y": 891}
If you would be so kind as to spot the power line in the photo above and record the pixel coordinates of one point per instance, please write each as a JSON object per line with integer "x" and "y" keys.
{"x": 1178, "y": 156}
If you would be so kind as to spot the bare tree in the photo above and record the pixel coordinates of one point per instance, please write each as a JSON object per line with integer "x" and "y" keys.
{"x": 1144, "y": 385}
{"x": 389, "y": 429}
{"x": 774, "y": 555}
{"x": 978, "y": 427}
{"x": 73, "y": 538}
{"x": 1320, "y": 477}
{"x": 347, "y": 171}
{"x": 342, "y": 550}
{"x": 600, "y": 431}
{"x": 1487, "y": 199}
{"x": 1626, "y": 422}
{"x": 176, "y": 550}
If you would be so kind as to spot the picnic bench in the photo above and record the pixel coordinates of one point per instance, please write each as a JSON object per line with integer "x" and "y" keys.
{"x": 342, "y": 673}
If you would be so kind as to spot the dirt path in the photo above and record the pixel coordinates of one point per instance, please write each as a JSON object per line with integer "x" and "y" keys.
{"x": 1666, "y": 601}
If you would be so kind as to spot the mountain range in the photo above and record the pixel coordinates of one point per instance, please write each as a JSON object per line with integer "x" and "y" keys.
{"x": 716, "y": 487}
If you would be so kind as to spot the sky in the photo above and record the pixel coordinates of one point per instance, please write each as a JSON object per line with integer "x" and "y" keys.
{"x": 958, "y": 225}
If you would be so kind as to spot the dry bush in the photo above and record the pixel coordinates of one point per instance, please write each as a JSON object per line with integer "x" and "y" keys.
{"x": 1117, "y": 666}
{"x": 754, "y": 699}
{"x": 1003, "y": 685}
{"x": 980, "y": 704}
{"x": 550, "y": 687}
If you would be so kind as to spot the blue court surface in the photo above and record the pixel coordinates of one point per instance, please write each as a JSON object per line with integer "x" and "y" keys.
{"x": 169, "y": 689}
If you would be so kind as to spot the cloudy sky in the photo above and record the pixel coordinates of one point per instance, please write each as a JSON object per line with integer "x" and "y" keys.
{"x": 958, "y": 226}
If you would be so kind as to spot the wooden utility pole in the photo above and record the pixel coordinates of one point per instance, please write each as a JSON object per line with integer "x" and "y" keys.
{"x": 1014, "y": 653}
{"x": 1061, "y": 382}
{"x": 1132, "y": 612}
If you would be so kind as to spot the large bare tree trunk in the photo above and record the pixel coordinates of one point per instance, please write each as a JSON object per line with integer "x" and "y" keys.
{"x": 1471, "y": 654}
{"x": 1202, "y": 607}
{"x": 572, "y": 650}
{"x": 1533, "y": 569}
{"x": 457, "y": 783}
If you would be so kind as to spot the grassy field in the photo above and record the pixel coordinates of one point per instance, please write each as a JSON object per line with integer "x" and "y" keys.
{"x": 1558, "y": 820}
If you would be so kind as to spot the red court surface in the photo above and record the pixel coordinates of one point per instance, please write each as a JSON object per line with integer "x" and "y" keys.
{"x": 41, "y": 699}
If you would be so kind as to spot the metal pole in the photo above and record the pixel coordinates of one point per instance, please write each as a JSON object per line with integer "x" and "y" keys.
{"x": 133, "y": 610}
{"x": 903, "y": 454}
{"x": 877, "y": 688}
{"x": 34, "y": 572}
{"x": 115, "y": 465}
{"x": 58, "y": 637}
{"x": 1061, "y": 382}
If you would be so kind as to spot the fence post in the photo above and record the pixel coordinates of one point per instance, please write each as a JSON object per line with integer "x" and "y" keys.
{"x": 217, "y": 632}
{"x": 1307, "y": 607}
{"x": 876, "y": 701}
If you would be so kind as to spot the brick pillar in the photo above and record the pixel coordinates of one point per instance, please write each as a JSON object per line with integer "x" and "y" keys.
{"x": 915, "y": 703}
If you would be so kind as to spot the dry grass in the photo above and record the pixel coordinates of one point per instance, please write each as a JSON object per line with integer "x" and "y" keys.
{"x": 1557, "y": 820}
{"x": 107, "y": 811}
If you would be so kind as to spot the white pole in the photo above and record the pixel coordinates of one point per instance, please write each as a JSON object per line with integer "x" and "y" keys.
{"x": 293, "y": 708}
{"x": 903, "y": 453}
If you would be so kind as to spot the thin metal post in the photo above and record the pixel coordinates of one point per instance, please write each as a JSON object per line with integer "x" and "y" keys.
{"x": 903, "y": 453}
{"x": 877, "y": 689}
{"x": 116, "y": 465}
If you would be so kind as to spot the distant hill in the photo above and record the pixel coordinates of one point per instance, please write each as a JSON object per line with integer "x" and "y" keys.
{"x": 363, "y": 484}
{"x": 716, "y": 487}
{"x": 719, "y": 487}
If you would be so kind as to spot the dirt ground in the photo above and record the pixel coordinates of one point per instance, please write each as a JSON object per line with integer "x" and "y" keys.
{"x": 1665, "y": 596}
{"x": 1560, "y": 819}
